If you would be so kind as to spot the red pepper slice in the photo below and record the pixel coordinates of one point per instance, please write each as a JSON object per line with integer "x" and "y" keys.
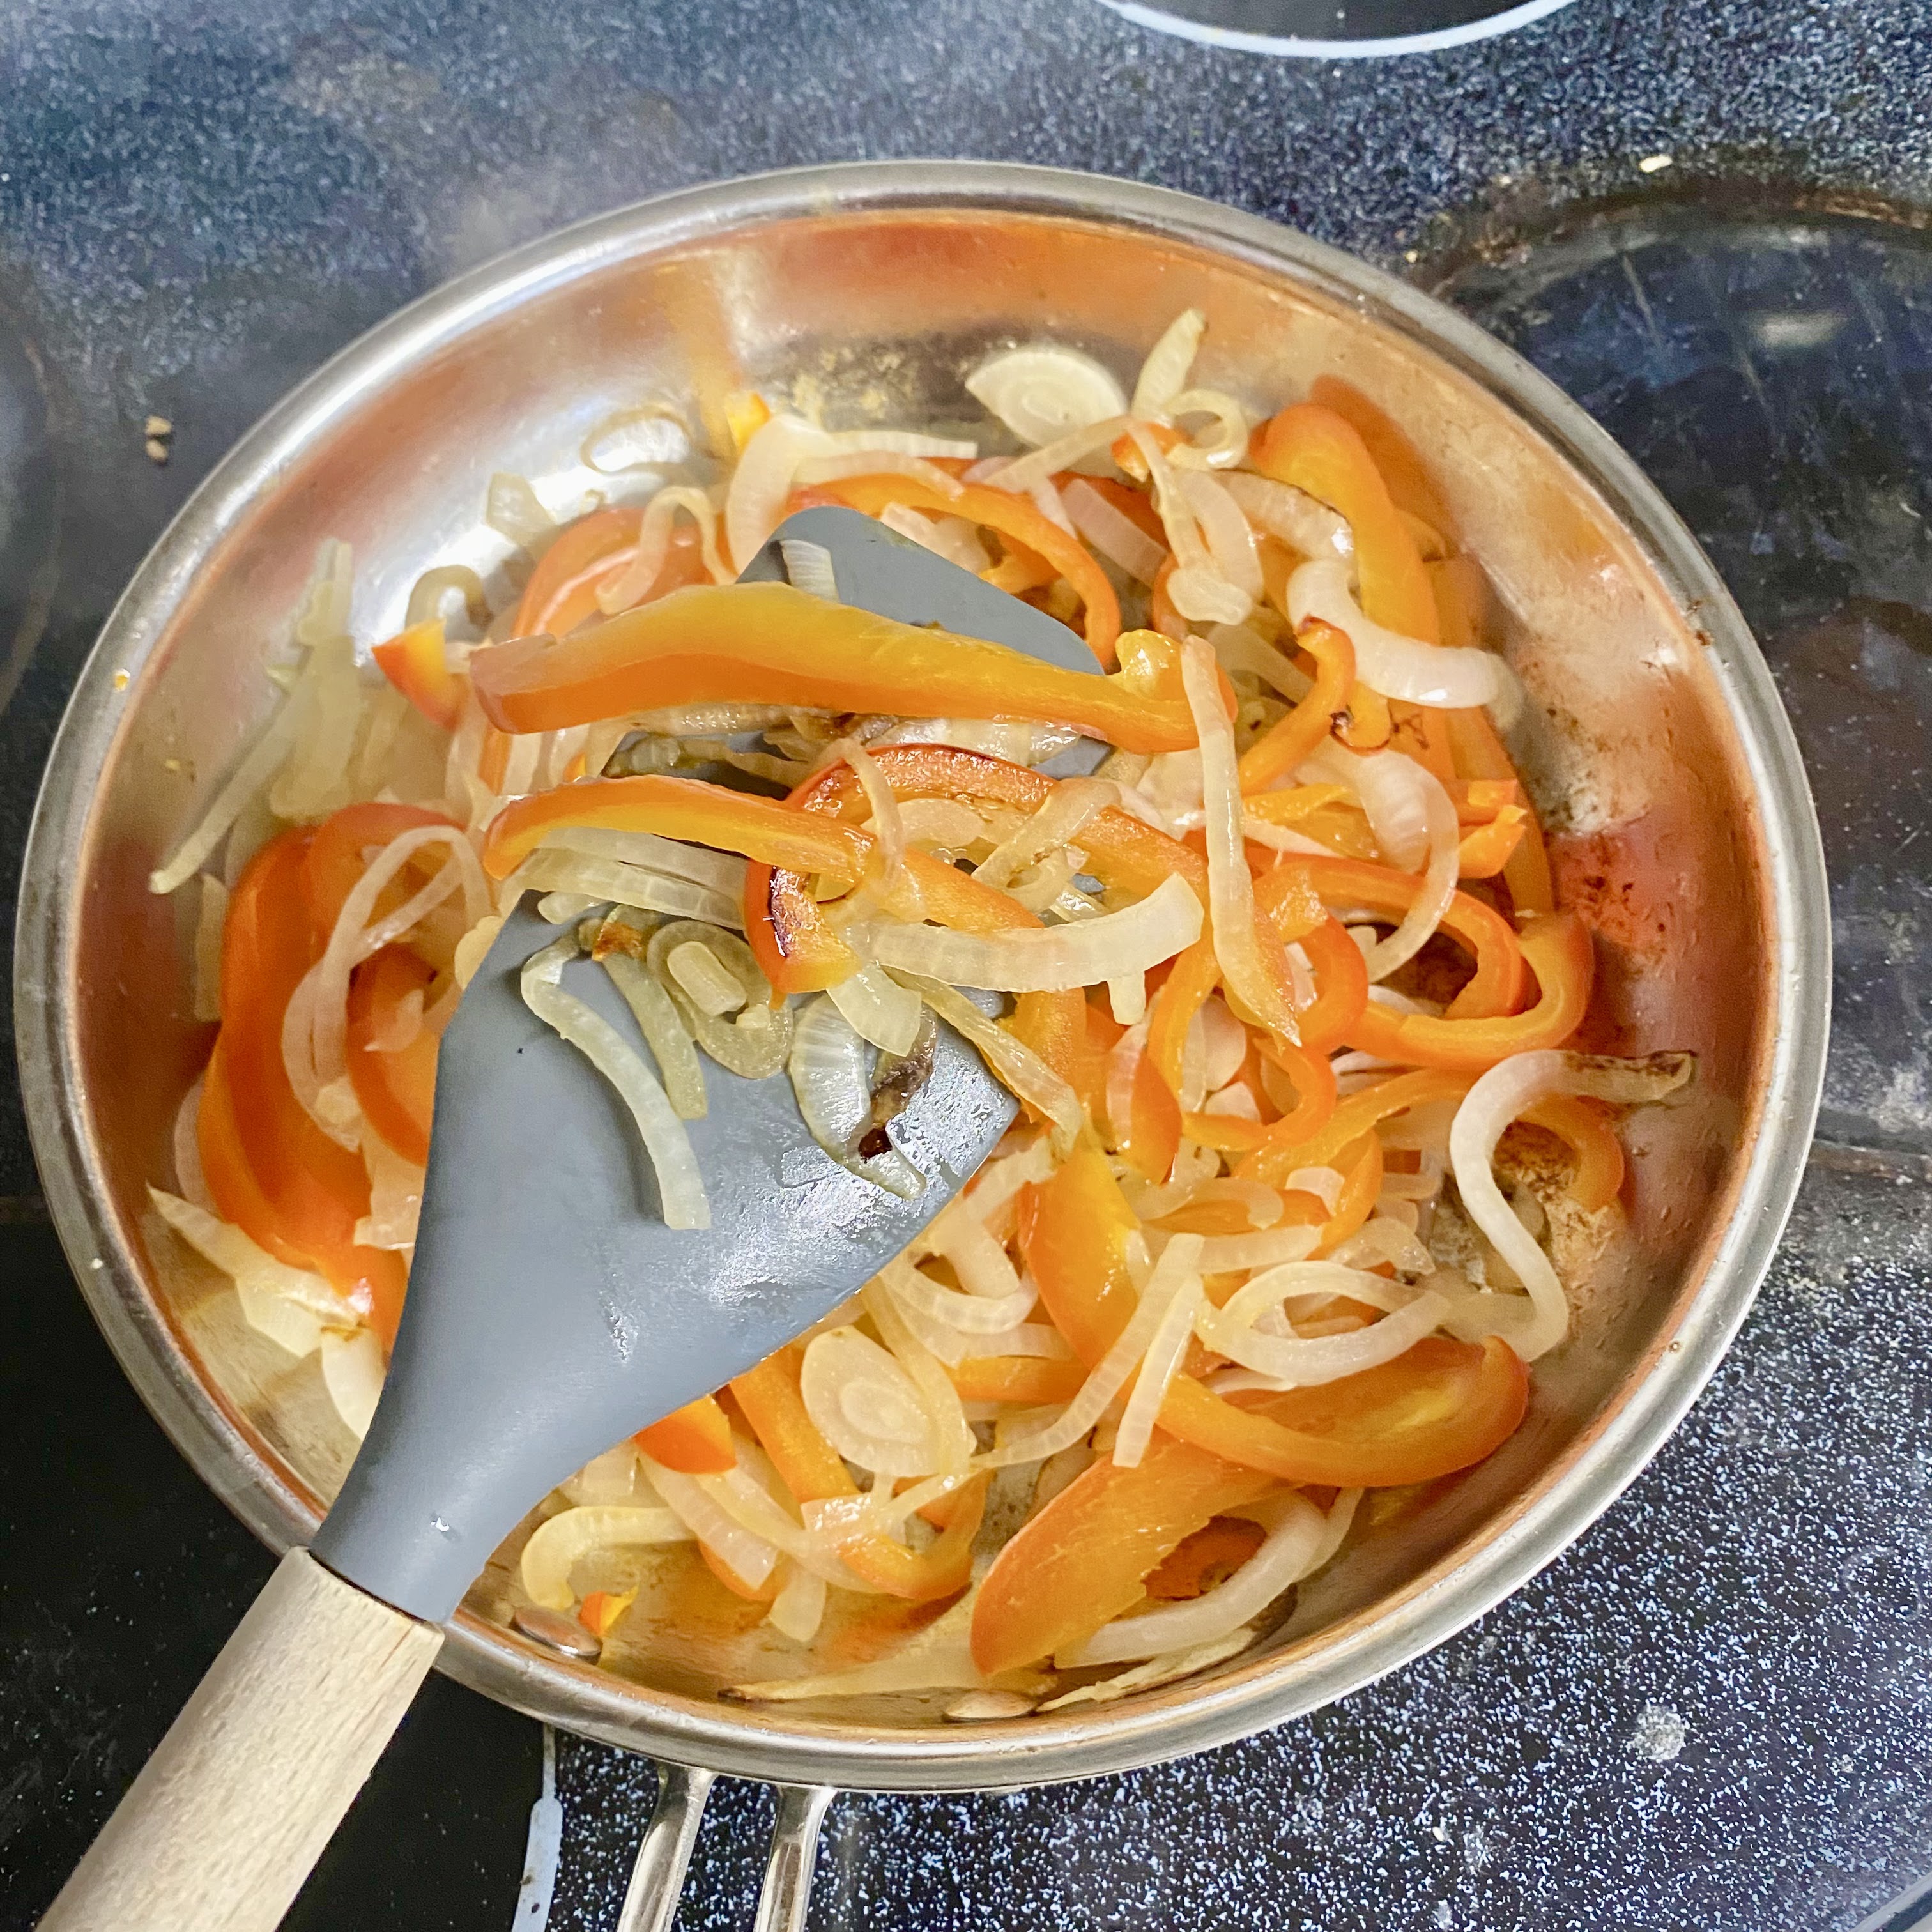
{"x": 770, "y": 644}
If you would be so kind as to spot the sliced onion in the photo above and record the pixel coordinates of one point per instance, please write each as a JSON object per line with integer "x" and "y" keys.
{"x": 210, "y": 918}
{"x": 809, "y": 566}
{"x": 749, "y": 1556}
{"x": 616, "y": 1476}
{"x": 513, "y": 509}
{"x": 695, "y": 967}
{"x": 653, "y": 547}
{"x": 557, "y": 1544}
{"x": 328, "y": 696}
{"x": 960, "y": 1238}
{"x": 1167, "y": 1668}
{"x": 992, "y": 1191}
{"x": 652, "y": 434}
{"x": 1433, "y": 675}
{"x": 939, "y": 1658}
{"x": 186, "y": 1143}
{"x": 1385, "y": 1240}
{"x": 395, "y": 1197}
{"x": 1219, "y": 448}
{"x": 888, "y": 828}
{"x": 1231, "y": 543}
{"x": 473, "y": 947}
{"x": 749, "y": 1504}
{"x": 1226, "y": 1254}
{"x": 1224, "y": 1043}
{"x": 1235, "y": 1101}
{"x": 1126, "y": 998}
{"x": 289, "y": 1305}
{"x": 879, "y": 1009}
{"x": 952, "y": 1438}
{"x": 1011, "y": 1060}
{"x": 1231, "y": 890}
{"x": 1164, "y": 374}
{"x": 798, "y": 1608}
{"x": 1294, "y": 1362}
{"x": 611, "y": 881}
{"x": 1070, "y": 451}
{"x": 1179, "y": 1264}
{"x": 1050, "y": 958}
{"x": 1196, "y": 590}
{"x": 1301, "y": 1542}
{"x": 866, "y": 1406}
{"x": 1042, "y": 394}
{"x": 971, "y": 1315}
{"x": 1165, "y": 1349}
{"x": 352, "y": 1373}
{"x": 1297, "y": 518}
{"x": 680, "y": 1186}
{"x": 1123, "y": 1066}
{"x": 755, "y": 504}
{"x": 877, "y": 463}
{"x": 1072, "y": 805}
{"x": 1117, "y": 537}
{"x": 722, "y": 871}
{"x": 829, "y": 1074}
{"x": 665, "y": 1032}
{"x": 260, "y": 763}
{"x": 952, "y": 537}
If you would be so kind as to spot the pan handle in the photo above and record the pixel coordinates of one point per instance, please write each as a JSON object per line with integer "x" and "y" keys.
{"x": 657, "y": 1879}
{"x": 787, "y": 1892}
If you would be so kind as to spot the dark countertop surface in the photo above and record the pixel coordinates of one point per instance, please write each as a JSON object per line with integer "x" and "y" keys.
{"x": 1713, "y": 1713}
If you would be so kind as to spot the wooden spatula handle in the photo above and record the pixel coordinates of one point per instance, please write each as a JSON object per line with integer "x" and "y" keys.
{"x": 227, "y": 1818}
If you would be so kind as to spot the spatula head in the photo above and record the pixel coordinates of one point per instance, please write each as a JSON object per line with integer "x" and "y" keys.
{"x": 550, "y": 1312}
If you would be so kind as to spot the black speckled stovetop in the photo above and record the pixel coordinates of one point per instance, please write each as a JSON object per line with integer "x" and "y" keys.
{"x": 1713, "y": 1714}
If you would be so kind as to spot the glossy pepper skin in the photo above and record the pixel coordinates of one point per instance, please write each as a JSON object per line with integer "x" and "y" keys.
{"x": 770, "y": 644}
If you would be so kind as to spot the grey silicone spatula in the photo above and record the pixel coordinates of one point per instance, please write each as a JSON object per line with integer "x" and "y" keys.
{"x": 551, "y": 1313}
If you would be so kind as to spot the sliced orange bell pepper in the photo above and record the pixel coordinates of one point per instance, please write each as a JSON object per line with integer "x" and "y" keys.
{"x": 1597, "y": 1177}
{"x": 601, "y": 1611}
{"x": 771, "y": 644}
{"x": 1082, "y": 1560}
{"x": 1484, "y": 852}
{"x": 583, "y": 557}
{"x": 1028, "y": 1378}
{"x": 1400, "y": 464}
{"x": 1478, "y": 753}
{"x": 1012, "y": 516}
{"x": 746, "y": 413}
{"x": 1074, "y": 1228}
{"x": 1271, "y": 758}
{"x": 1316, "y": 450}
{"x": 272, "y": 1170}
{"x": 1442, "y": 1406}
{"x": 769, "y": 1396}
{"x": 1314, "y": 1100}
{"x": 686, "y": 808}
{"x": 1341, "y": 973}
{"x": 1226, "y": 1133}
{"x": 1361, "y": 1113}
{"x": 335, "y": 862}
{"x": 395, "y": 1087}
{"x": 414, "y": 662}
{"x": 1196, "y": 974}
{"x": 942, "y": 1569}
{"x": 1557, "y": 948}
{"x": 1498, "y": 985}
{"x": 696, "y": 1439}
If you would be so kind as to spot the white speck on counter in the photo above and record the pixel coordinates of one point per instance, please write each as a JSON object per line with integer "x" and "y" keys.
{"x": 1659, "y": 1734}
{"x": 1655, "y": 164}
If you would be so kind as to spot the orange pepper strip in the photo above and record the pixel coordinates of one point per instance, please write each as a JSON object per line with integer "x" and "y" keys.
{"x": 768, "y": 1396}
{"x": 1011, "y": 516}
{"x": 1401, "y": 465}
{"x": 272, "y": 1170}
{"x": 1019, "y": 571}
{"x": 1316, "y": 450}
{"x": 1272, "y": 758}
{"x": 1080, "y": 1561}
{"x": 335, "y": 862}
{"x": 696, "y": 1439}
{"x": 771, "y": 644}
{"x": 1598, "y": 1176}
{"x": 1361, "y": 1113}
{"x": 600, "y": 1612}
{"x": 1498, "y": 985}
{"x": 1196, "y": 973}
{"x": 395, "y": 1088}
{"x": 1074, "y": 1229}
{"x": 1557, "y": 948}
{"x": 1028, "y": 1378}
{"x": 1361, "y": 1185}
{"x": 1484, "y": 852}
{"x": 1341, "y": 981}
{"x": 1161, "y": 612}
{"x": 1226, "y": 1133}
{"x": 562, "y": 590}
{"x": 1442, "y": 1406}
{"x": 944, "y": 1569}
{"x": 1315, "y": 1100}
{"x": 414, "y": 662}
{"x": 762, "y": 828}
{"x": 1479, "y": 753}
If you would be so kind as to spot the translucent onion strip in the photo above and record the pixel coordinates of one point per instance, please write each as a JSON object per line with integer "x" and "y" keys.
{"x": 722, "y": 871}
{"x": 951, "y": 537}
{"x": 1197, "y": 590}
{"x": 1231, "y": 892}
{"x": 211, "y": 916}
{"x": 865, "y": 1404}
{"x": 1432, "y": 675}
{"x": 654, "y": 535}
{"x": 1069, "y": 808}
{"x": 665, "y": 1032}
{"x": 1116, "y": 536}
{"x": 749, "y": 1557}
{"x": 1301, "y": 1542}
{"x": 1042, "y": 394}
{"x": 260, "y": 763}
{"x": 1066, "y": 452}
{"x": 1159, "y": 1367}
{"x": 556, "y": 1545}
{"x": 1164, "y": 374}
{"x": 1218, "y": 448}
{"x": 827, "y": 1066}
{"x": 1280, "y": 510}
{"x": 968, "y": 1314}
{"x": 879, "y": 1009}
{"x": 352, "y": 1373}
{"x": 611, "y": 881}
{"x": 1295, "y": 1362}
{"x": 1231, "y": 543}
{"x": 1050, "y": 958}
{"x": 680, "y": 1186}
